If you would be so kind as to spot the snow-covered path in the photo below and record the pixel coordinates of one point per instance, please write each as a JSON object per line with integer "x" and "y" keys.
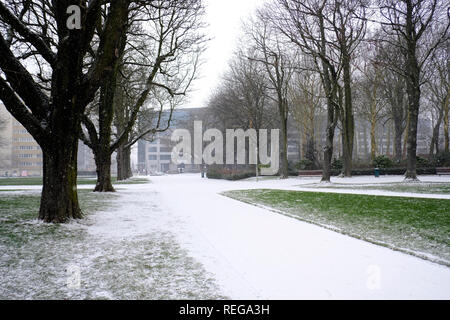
{"x": 178, "y": 238}
{"x": 255, "y": 253}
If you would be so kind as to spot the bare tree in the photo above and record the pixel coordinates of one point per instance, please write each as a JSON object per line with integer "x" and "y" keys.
{"x": 278, "y": 61}
{"x": 46, "y": 86}
{"x": 304, "y": 23}
{"x": 414, "y": 22}
{"x": 369, "y": 90}
{"x": 393, "y": 88}
{"x": 438, "y": 94}
{"x": 241, "y": 100}
{"x": 329, "y": 31}
{"x": 165, "y": 51}
{"x": 306, "y": 96}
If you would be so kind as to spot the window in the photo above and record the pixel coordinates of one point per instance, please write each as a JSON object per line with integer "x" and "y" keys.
{"x": 152, "y": 157}
{"x": 153, "y": 149}
{"x": 165, "y": 149}
{"x": 166, "y": 157}
{"x": 25, "y": 155}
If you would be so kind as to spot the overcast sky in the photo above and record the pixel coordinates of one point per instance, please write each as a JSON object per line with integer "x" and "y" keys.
{"x": 224, "y": 19}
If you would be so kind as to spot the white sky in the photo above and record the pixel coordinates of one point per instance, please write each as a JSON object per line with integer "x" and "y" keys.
{"x": 224, "y": 28}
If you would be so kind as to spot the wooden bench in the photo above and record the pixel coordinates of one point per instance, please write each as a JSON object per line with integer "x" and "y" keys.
{"x": 310, "y": 173}
{"x": 443, "y": 171}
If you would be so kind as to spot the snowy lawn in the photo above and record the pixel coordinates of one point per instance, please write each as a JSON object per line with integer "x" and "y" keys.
{"x": 111, "y": 259}
{"x": 37, "y": 181}
{"x": 415, "y": 187}
{"x": 417, "y": 226}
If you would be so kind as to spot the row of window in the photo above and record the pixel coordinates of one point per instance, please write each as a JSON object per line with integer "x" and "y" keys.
{"x": 28, "y": 148}
{"x": 30, "y": 164}
{"x": 20, "y": 131}
{"x": 29, "y": 155}
{"x": 161, "y": 149}
{"x": 24, "y": 139}
{"x": 161, "y": 157}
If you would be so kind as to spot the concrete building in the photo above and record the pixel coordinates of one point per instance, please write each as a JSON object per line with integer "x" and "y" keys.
{"x": 155, "y": 152}
{"x": 21, "y": 155}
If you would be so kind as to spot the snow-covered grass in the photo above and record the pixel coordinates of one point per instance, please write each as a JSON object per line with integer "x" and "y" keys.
{"x": 416, "y": 187}
{"x": 113, "y": 259}
{"x": 417, "y": 226}
{"x": 37, "y": 181}
{"x": 178, "y": 237}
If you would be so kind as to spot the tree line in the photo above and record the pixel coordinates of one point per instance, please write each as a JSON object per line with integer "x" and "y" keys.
{"x": 383, "y": 61}
{"x": 105, "y": 83}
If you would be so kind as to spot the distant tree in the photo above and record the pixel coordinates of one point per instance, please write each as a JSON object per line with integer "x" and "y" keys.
{"x": 242, "y": 98}
{"x": 46, "y": 85}
{"x": 438, "y": 94}
{"x": 370, "y": 102}
{"x": 329, "y": 31}
{"x": 420, "y": 27}
{"x": 393, "y": 88}
{"x": 278, "y": 61}
{"x": 306, "y": 98}
{"x": 163, "y": 49}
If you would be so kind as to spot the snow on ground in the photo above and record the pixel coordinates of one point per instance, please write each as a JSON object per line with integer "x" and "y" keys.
{"x": 255, "y": 253}
{"x": 177, "y": 237}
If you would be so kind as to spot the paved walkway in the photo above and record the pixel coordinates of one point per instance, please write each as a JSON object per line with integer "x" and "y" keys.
{"x": 255, "y": 253}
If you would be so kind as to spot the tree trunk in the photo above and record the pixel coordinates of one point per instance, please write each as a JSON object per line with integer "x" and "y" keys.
{"x": 123, "y": 163}
{"x": 373, "y": 141}
{"x": 348, "y": 121}
{"x": 103, "y": 164}
{"x": 59, "y": 199}
{"x": 413, "y": 109}
{"x": 388, "y": 143}
{"x": 446, "y": 131}
{"x": 366, "y": 148}
{"x": 329, "y": 140}
{"x": 405, "y": 138}
{"x": 283, "y": 151}
{"x": 434, "y": 145}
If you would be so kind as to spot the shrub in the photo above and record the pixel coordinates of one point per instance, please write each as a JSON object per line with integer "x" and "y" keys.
{"x": 382, "y": 162}
{"x": 337, "y": 164}
{"x": 217, "y": 172}
{"x": 423, "y": 163}
{"x": 305, "y": 164}
{"x": 442, "y": 159}
{"x": 292, "y": 168}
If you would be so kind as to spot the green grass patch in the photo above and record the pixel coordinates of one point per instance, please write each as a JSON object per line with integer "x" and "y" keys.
{"x": 414, "y": 225}
{"x": 415, "y": 187}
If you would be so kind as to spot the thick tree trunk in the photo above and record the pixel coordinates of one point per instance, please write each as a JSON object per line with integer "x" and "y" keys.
{"x": 123, "y": 163}
{"x": 102, "y": 150}
{"x": 413, "y": 109}
{"x": 59, "y": 199}
{"x": 329, "y": 140}
{"x": 103, "y": 164}
{"x": 328, "y": 155}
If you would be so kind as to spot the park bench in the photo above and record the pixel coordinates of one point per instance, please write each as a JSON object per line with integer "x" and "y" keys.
{"x": 310, "y": 173}
{"x": 443, "y": 171}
